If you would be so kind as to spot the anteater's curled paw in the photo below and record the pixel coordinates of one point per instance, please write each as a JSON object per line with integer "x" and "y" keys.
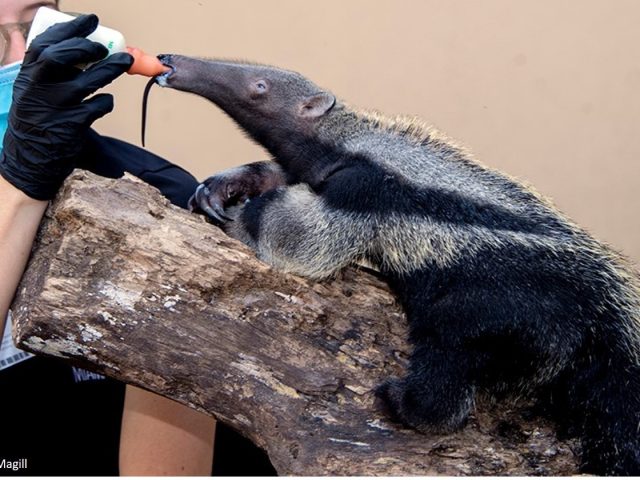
{"x": 418, "y": 408}
{"x": 219, "y": 192}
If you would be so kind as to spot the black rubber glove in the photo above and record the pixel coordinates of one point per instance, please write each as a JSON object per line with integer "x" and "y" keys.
{"x": 49, "y": 118}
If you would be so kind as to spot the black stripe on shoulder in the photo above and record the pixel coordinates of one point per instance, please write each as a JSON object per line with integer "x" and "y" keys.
{"x": 253, "y": 211}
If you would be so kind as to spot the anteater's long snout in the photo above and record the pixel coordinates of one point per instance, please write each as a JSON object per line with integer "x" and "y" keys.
{"x": 212, "y": 79}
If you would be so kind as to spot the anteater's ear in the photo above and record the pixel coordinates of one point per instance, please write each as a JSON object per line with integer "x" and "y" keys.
{"x": 317, "y": 105}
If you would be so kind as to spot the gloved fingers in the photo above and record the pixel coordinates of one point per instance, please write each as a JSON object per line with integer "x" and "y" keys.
{"x": 79, "y": 27}
{"x": 94, "y": 108}
{"x": 59, "y": 62}
{"x": 102, "y": 74}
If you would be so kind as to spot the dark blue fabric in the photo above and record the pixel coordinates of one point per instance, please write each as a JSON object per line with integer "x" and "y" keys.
{"x": 61, "y": 426}
{"x": 110, "y": 157}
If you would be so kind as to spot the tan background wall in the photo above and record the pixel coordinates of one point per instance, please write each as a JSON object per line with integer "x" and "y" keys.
{"x": 547, "y": 90}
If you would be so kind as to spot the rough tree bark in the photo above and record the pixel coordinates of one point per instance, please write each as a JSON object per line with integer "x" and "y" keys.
{"x": 127, "y": 285}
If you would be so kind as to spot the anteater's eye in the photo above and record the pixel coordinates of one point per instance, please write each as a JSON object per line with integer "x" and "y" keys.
{"x": 259, "y": 88}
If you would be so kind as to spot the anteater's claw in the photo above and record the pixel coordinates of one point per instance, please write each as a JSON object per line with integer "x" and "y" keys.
{"x": 192, "y": 204}
{"x": 217, "y": 212}
{"x": 194, "y": 201}
{"x": 201, "y": 200}
{"x": 200, "y": 197}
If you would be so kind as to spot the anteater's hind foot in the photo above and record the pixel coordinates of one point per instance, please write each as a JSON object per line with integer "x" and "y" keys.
{"x": 430, "y": 400}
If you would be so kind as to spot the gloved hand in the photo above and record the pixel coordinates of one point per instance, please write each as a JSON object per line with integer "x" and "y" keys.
{"x": 49, "y": 118}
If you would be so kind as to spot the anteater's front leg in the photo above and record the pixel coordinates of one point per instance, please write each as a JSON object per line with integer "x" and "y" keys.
{"x": 292, "y": 229}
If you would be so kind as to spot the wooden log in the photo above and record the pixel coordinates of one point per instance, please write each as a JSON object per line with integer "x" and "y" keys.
{"x": 123, "y": 283}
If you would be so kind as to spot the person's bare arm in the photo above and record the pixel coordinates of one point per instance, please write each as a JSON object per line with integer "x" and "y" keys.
{"x": 20, "y": 217}
{"x": 161, "y": 437}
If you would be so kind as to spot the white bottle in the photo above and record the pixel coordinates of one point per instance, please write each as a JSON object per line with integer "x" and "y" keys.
{"x": 45, "y": 17}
